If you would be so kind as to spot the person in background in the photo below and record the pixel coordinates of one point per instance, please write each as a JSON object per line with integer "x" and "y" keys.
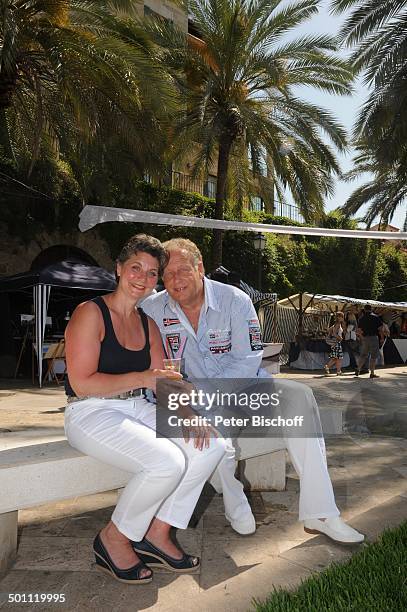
{"x": 336, "y": 332}
{"x": 369, "y": 328}
{"x": 351, "y": 339}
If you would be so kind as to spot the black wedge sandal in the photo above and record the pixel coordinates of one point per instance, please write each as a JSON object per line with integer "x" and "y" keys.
{"x": 154, "y": 557}
{"x": 105, "y": 564}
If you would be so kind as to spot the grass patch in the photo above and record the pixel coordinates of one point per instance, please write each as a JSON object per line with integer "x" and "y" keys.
{"x": 374, "y": 579}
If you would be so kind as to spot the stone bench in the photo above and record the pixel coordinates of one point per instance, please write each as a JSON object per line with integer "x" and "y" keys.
{"x": 41, "y": 473}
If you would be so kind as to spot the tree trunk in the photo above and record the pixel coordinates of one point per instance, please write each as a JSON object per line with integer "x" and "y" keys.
{"x": 5, "y": 143}
{"x": 225, "y": 145}
{"x": 269, "y": 204}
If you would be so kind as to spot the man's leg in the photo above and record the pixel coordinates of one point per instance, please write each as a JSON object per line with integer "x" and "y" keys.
{"x": 317, "y": 507}
{"x": 307, "y": 450}
{"x": 374, "y": 354}
{"x": 307, "y": 454}
{"x": 237, "y": 508}
{"x": 364, "y": 351}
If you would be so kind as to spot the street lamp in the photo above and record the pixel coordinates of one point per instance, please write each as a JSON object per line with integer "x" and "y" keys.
{"x": 259, "y": 243}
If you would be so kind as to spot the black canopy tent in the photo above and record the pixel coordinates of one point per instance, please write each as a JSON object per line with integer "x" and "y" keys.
{"x": 62, "y": 275}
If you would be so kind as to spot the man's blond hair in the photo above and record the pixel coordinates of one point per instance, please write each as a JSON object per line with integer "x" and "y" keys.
{"x": 184, "y": 244}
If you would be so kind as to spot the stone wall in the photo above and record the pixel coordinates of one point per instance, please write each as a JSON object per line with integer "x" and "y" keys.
{"x": 15, "y": 256}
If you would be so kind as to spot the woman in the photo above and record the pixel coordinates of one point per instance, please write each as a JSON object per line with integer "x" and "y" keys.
{"x": 336, "y": 333}
{"x": 113, "y": 354}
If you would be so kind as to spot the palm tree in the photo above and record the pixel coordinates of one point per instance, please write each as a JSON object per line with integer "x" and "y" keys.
{"x": 74, "y": 71}
{"x": 382, "y": 193}
{"x": 241, "y": 103}
{"x": 377, "y": 31}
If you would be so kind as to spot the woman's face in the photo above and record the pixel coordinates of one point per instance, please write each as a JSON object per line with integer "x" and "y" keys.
{"x": 138, "y": 275}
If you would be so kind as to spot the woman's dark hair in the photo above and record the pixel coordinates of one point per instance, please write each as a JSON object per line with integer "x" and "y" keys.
{"x": 144, "y": 244}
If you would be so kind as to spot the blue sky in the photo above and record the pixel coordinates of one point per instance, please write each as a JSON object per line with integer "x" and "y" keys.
{"x": 345, "y": 108}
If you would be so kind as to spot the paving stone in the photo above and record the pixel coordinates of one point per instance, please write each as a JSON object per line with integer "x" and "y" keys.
{"x": 386, "y": 515}
{"x": 98, "y": 592}
{"x": 48, "y": 553}
{"x": 236, "y": 593}
{"x": 402, "y": 471}
{"x": 317, "y": 553}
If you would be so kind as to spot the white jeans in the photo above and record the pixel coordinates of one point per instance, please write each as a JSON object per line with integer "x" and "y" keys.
{"x": 307, "y": 455}
{"x": 168, "y": 474}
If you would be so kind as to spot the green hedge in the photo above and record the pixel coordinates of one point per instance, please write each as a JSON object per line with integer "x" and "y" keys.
{"x": 360, "y": 268}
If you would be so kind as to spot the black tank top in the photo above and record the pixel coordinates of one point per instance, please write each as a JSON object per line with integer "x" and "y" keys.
{"x": 115, "y": 358}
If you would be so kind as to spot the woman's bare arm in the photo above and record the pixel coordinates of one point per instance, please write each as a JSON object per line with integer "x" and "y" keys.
{"x": 156, "y": 345}
{"x": 83, "y": 336}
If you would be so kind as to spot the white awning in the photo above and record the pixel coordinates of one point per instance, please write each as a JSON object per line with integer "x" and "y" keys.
{"x": 328, "y": 302}
{"x": 93, "y": 215}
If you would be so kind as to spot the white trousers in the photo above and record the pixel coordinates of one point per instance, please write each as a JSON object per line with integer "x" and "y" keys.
{"x": 307, "y": 455}
{"x": 168, "y": 474}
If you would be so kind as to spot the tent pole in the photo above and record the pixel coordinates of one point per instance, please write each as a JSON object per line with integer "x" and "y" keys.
{"x": 300, "y": 316}
{"x": 41, "y": 298}
{"x": 274, "y": 331}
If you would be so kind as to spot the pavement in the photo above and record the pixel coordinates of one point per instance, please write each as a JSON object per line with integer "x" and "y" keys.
{"x": 368, "y": 467}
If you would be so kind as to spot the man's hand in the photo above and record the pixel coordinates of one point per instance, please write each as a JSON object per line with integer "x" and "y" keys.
{"x": 201, "y": 434}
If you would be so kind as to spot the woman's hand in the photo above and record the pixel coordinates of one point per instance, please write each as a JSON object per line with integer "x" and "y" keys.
{"x": 151, "y": 377}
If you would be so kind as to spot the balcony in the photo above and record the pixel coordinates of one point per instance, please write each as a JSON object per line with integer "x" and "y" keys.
{"x": 207, "y": 188}
{"x": 185, "y": 182}
{"x": 278, "y": 209}
{"x": 288, "y": 210}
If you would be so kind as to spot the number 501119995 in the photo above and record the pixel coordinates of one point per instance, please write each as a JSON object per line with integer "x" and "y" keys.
{"x": 36, "y": 597}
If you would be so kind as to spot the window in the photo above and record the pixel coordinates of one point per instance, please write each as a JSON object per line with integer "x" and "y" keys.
{"x": 210, "y": 187}
{"x": 256, "y": 204}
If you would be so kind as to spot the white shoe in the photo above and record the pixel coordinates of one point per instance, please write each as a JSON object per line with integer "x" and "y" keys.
{"x": 335, "y": 528}
{"x": 244, "y": 526}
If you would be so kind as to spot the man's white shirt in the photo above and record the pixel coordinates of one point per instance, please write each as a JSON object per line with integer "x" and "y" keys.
{"x": 227, "y": 343}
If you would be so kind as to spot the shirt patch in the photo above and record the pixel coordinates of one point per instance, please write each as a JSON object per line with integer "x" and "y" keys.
{"x": 220, "y": 341}
{"x": 256, "y": 343}
{"x": 167, "y": 322}
{"x": 174, "y": 345}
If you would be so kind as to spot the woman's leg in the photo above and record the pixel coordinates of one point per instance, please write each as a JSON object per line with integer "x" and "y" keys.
{"x": 178, "y": 507}
{"x": 110, "y": 431}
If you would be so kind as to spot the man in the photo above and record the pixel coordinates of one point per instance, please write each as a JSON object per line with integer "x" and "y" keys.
{"x": 369, "y": 327}
{"x": 215, "y": 328}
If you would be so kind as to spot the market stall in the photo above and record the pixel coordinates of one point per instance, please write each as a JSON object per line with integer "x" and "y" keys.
{"x": 310, "y": 316}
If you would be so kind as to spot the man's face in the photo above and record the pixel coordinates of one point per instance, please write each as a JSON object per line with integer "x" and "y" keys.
{"x": 182, "y": 279}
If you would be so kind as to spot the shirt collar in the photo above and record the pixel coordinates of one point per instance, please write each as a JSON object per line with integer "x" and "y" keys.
{"x": 210, "y": 297}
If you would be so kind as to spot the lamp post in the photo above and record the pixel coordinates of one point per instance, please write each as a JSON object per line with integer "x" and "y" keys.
{"x": 259, "y": 243}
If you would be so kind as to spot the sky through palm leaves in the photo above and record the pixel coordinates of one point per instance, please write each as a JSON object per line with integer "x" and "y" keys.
{"x": 345, "y": 108}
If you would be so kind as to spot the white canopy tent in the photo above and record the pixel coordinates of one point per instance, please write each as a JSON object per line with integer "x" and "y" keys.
{"x": 318, "y": 301}
{"x": 60, "y": 276}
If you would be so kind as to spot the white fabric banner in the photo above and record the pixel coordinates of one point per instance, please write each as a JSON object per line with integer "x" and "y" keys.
{"x": 93, "y": 215}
